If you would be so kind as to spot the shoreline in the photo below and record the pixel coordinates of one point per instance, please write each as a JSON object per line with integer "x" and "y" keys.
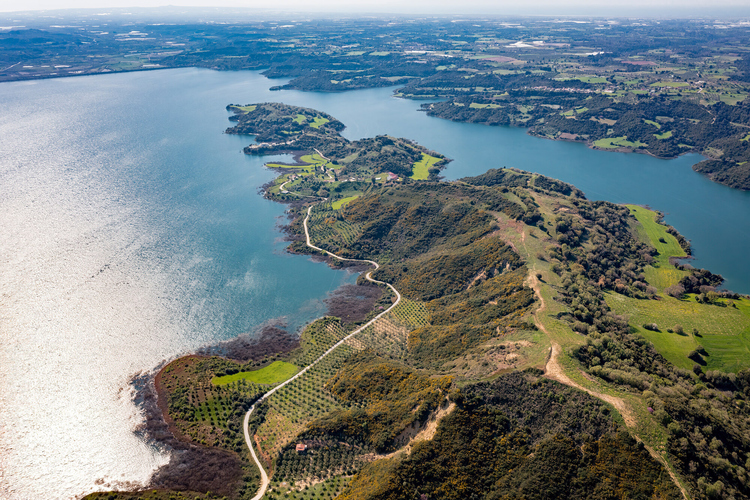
{"x": 210, "y": 468}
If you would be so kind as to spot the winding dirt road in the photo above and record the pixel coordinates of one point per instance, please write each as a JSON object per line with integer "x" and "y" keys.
{"x": 264, "y": 480}
{"x": 554, "y": 370}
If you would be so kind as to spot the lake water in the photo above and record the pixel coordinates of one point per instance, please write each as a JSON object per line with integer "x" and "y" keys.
{"x": 133, "y": 232}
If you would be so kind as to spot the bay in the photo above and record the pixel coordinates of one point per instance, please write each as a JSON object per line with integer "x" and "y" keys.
{"x": 133, "y": 232}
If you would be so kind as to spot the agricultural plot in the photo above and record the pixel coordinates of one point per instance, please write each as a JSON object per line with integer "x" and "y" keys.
{"x": 300, "y": 402}
{"x": 384, "y": 337}
{"x": 617, "y": 142}
{"x": 420, "y": 170}
{"x": 318, "y": 337}
{"x": 211, "y": 414}
{"x": 328, "y": 230}
{"x": 307, "y": 490}
{"x": 336, "y": 205}
{"x": 410, "y": 313}
{"x": 661, "y": 274}
{"x": 390, "y": 334}
{"x": 722, "y": 330}
{"x": 275, "y": 373}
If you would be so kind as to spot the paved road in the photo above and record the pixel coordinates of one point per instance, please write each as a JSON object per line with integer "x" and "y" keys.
{"x": 264, "y": 481}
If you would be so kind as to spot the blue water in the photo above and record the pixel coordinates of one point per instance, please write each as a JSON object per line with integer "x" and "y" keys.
{"x": 133, "y": 231}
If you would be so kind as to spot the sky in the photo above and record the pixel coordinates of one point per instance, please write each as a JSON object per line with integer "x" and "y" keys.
{"x": 636, "y": 8}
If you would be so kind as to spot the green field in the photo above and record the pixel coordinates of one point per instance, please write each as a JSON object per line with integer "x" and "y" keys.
{"x": 651, "y": 122}
{"x": 343, "y": 201}
{"x": 313, "y": 158}
{"x": 724, "y": 331}
{"x": 617, "y": 142}
{"x": 670, "y": 84}
{"x": 246, "y": 109}
{"x": 476, "y": 105}
{"x": 318, "y": 121}
{"x": 661, "y": 274}
{"x": 420, "y": 170}
{"x": 665, "y": 135}
{"x": 276, "y": 372}
{"x": 303, "y": 168}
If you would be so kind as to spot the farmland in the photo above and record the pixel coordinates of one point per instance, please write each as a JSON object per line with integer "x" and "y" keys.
{"x": 720, "y": 330}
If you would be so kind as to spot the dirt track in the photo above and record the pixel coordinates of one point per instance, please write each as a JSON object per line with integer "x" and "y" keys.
{"x": 264, "y": 481}
{"x": 554, "y": 371}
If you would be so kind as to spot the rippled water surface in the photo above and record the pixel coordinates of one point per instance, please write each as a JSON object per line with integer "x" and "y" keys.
{"x": 132, "y": 232}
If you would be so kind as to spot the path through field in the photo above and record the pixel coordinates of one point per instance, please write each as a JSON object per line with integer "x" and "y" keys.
{"x": 264, "y": 481}
{"x": 554, "y": 370}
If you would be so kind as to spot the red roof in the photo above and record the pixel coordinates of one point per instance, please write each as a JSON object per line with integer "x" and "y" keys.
{"x": 301, "y": 447}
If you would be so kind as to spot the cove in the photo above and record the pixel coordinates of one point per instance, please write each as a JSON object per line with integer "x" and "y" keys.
{"x": 133, "y": 232}
{"x": 715, "y": 218}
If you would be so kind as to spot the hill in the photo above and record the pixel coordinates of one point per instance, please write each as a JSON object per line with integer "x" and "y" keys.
{"x": 526, "y": 358}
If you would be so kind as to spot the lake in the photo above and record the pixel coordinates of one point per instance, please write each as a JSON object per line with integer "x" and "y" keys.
{"x": 133, "y": 232}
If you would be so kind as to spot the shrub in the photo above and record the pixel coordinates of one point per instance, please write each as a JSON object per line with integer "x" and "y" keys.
{"x": 676, "y": 291}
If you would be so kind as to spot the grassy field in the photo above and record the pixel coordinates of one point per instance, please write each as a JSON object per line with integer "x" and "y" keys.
{"x": 318, "y": 121}
{"x": 276, "y": 372}
{"x": 665, "y": 135}
{"x": 661, "y": 274}
{"x": 420, "y": 170}
{"x": 724, "y": 331}
{"x": 617, "y": 142}
{"x": 303, "y": 168}
{"x": 476, "y": 105}
{"x": 651, "y": 122}
{"x": 670, "y": 84}
{"x": 314, "y": 158}
{"x": 343, "y": 201}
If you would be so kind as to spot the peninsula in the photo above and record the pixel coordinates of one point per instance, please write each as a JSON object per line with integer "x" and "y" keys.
{"x": 518, "y": 340}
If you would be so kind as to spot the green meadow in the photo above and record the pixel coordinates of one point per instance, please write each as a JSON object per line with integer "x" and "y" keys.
{"x": 343, "y": 201}
{"x": 670, "y": 84}
{"x": 276, "y": 372}
{"x": 420, "y": 170}
{"x": 318, "y": 121}
{"x": 617, "y": 142}
{"x": 723, "y": 329}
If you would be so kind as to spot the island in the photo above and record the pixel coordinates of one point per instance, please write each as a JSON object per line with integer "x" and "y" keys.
{"x": 507, "y": 338}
